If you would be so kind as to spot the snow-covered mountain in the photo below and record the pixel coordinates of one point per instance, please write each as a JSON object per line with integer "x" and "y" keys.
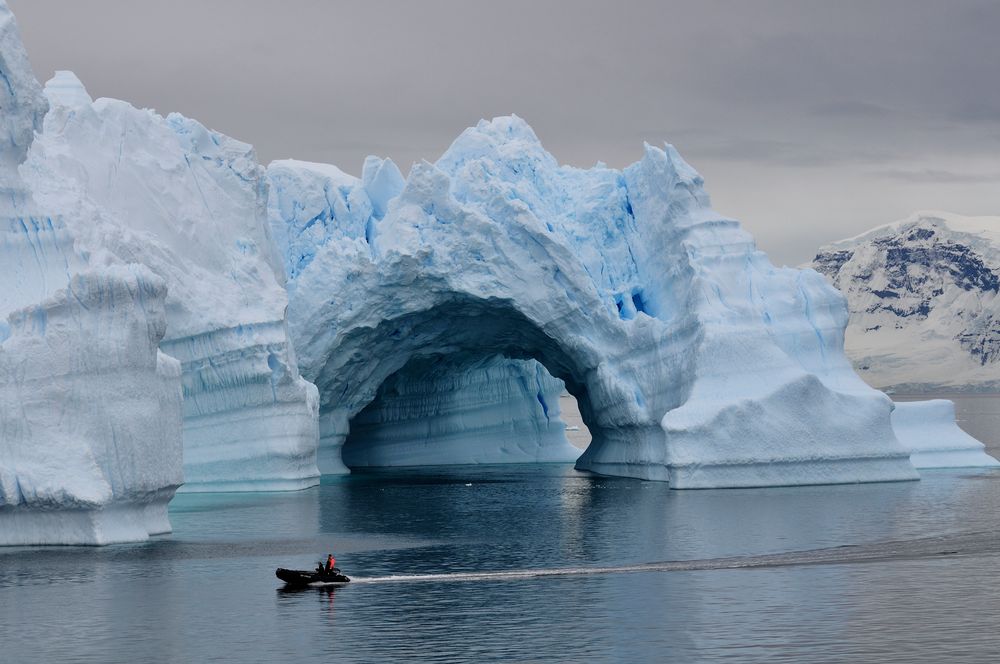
{"x": 924, "y": 305}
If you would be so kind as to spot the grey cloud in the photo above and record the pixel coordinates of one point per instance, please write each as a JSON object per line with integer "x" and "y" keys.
{"x": 935, "y": 176}
{"x": 780, "y": 152}
{"x": 825, "y": 90}
{"x": 852, "y": 108}
{"x": 979, "y": 111}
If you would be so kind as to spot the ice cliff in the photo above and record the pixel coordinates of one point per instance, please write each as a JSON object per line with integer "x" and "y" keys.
{"x": 191, "y": 205}
{"x": 924, "y": 303}
{"x": 90, "y": 441}
{"x": 693, "y": 359}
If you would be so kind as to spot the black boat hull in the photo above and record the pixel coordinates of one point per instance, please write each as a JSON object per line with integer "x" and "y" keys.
{"x": 294, "y": 577}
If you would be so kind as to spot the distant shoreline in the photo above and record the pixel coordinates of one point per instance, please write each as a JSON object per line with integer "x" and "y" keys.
{"x": 942, "y": 395}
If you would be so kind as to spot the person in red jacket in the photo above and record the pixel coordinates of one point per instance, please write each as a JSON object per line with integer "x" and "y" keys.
{"x": 330, "y": 562}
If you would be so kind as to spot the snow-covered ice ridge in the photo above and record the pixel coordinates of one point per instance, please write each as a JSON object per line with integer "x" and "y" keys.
{"x": 90, "y": 440}
{"x": 693, "y": 358}
{"x": 923, "y": 296}
{"x": 191, "y": 204}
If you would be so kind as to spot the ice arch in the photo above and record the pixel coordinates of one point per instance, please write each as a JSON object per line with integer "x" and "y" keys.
{"x": 697, "y": 361}
{"x": 462, "y": 358}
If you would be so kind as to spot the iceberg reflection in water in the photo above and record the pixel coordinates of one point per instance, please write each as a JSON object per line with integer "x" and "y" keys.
{"x": 531, "y": 563}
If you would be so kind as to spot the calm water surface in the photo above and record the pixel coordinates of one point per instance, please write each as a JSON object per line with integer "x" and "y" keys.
{"x": 531, "y": 563}
{"x": 207, "y": 592}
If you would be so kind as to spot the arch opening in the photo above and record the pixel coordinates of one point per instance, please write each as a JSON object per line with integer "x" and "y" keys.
{"x": 577, "y": 431}
{"x": 465, "y": 381}
{"x": 462, "y": 409}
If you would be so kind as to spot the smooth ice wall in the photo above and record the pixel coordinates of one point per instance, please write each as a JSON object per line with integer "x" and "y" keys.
{"x": 434, "y": 412}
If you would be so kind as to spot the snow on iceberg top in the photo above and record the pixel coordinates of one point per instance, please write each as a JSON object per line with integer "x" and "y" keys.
{"x": 189, "y": 202}
{"x": 491, "y": 166}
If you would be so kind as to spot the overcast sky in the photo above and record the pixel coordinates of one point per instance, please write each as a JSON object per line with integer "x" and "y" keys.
{"x": 810, "y": 121}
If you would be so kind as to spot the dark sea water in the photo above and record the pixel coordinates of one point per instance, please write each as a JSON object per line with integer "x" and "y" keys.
{"x": 531, "y": 563}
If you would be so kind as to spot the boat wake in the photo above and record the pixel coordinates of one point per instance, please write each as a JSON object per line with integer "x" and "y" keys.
{"x": 983, "y": 543}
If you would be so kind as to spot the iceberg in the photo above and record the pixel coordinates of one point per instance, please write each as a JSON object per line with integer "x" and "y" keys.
{"x": 427, "y": 414}
{"x": 90, "y": 440}
{"x": 929, "y": 431}
{"x": 694, "y": 360}
{"x": 191, "y": 205}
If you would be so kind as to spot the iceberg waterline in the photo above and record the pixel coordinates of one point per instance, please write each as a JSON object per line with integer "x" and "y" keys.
{"x": 172, "y": 294}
